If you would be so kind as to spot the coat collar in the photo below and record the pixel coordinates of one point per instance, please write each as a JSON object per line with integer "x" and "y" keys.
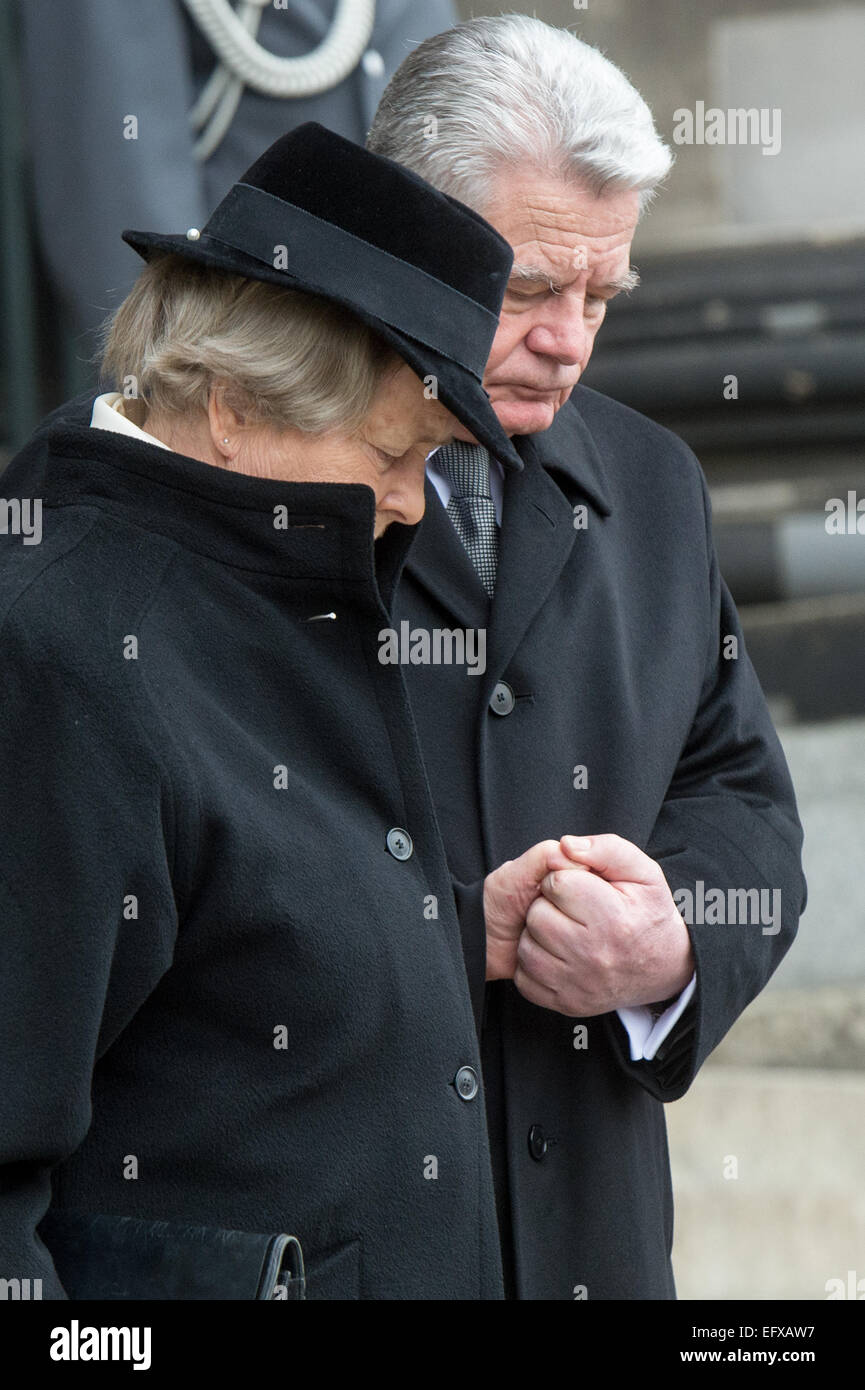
{"x": 297, "y": 530}
{"x": 569, "y": 447}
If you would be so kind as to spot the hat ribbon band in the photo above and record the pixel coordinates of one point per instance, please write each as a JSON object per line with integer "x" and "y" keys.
{"x": 260, "y": 225}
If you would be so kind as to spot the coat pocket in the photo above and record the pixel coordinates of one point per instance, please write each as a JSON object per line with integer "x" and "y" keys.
{"x": 335, "y": 1273}
{"x": 102, "y": 1256}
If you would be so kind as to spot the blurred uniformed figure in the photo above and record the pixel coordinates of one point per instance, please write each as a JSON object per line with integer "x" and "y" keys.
{"x": 110, "y": 86}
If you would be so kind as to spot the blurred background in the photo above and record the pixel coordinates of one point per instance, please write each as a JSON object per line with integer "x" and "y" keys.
{"x": 746, "y": 337}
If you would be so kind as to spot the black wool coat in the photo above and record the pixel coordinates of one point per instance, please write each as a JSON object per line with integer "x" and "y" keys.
{"x": 608, "y": 631}
{"x": 226, "y": 997}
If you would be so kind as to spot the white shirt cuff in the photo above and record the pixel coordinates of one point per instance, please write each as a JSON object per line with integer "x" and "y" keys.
{"x": 646, "y": 1034}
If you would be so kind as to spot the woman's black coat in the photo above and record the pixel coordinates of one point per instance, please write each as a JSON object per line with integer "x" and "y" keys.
{"x": 224, "y": 999}
{"x": 611, "y": 635}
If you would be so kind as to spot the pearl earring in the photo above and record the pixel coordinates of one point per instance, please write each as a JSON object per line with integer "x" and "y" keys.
{"x": 225, "y": 440}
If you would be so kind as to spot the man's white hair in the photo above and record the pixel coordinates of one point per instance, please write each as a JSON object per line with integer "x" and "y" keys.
{"x": 511, "y": 91}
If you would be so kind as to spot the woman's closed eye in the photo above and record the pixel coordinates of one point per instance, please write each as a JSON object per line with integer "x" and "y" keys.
{"x": 411, "y": 452}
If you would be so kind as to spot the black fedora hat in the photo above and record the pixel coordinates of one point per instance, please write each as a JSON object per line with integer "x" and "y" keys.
{"x": 318, "y": 213}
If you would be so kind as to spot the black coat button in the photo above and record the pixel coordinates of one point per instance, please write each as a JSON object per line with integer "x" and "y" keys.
{"x": 502, "y": 700}
{"x": 537, "y": 1142}
{"x": 399, "y": 843}
{"x": 466, "y": 1082}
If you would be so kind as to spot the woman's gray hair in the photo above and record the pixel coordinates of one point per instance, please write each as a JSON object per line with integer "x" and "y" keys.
{"x": 288, "y": 358}
{"x": 511, "y": 91}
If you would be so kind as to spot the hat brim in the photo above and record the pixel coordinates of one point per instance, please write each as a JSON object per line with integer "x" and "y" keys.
{"x": 458, "y": 389}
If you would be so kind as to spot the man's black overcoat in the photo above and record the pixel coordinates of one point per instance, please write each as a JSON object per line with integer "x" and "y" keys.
{"x": 610, "y": 626}
{"x": 228, "y": 997}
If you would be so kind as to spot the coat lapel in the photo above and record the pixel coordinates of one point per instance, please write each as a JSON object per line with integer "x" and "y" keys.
{"x": 439, "y": 561}
{"x": 535, "y": 540}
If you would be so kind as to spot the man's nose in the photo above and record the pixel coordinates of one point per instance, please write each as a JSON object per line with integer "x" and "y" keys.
{"x": 561, "y": 333}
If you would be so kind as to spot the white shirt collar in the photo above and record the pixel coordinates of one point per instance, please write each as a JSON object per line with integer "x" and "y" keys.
{"x": 112, "y": 412}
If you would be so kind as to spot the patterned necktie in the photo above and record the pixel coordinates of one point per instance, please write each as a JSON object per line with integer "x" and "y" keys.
{"x": 471, "y": 507}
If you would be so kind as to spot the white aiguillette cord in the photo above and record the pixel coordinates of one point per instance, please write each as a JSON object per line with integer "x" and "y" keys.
{"x": 244, "y": 63}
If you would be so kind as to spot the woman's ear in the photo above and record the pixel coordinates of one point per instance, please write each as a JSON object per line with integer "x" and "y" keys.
{"x": 225, "y": 422}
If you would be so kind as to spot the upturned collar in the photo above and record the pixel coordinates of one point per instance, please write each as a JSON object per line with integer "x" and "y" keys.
{"x": 300, "y": 530}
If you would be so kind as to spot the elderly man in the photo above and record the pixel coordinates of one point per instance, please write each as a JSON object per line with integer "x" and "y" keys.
{"x": 618, "y": 703}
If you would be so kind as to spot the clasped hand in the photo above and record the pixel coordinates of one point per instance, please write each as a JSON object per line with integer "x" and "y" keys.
{"x": 586, "y": 925}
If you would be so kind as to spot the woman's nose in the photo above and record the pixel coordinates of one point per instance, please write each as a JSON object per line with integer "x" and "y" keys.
{"x": 412, "y": 499}
{"x": 404, "y": 500}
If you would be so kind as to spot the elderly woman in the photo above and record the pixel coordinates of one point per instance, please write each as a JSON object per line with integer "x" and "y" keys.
{"x": 233, "y": 1001}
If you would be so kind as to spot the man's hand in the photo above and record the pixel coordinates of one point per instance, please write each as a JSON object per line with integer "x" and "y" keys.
{"x": 602, "y": 940}
{"x": 509, "y": 892}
